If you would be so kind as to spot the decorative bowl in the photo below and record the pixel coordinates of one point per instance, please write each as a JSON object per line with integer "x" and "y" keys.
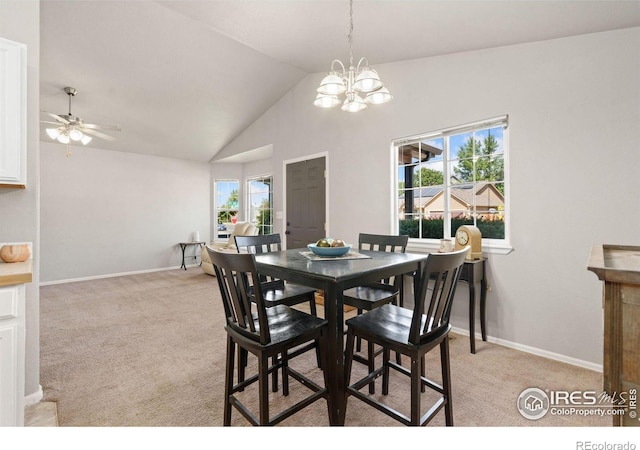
{"x": 329, "y": 251}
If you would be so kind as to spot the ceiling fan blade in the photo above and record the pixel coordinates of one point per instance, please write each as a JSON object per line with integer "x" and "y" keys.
{"x": 52, "y": 123}
{"x": 98, "y": 134}
{"x": 57, "y": 117}
{"x": 95, "y": 126}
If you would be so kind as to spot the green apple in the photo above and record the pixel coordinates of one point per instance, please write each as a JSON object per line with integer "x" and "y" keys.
{"x": 323, "y": 243}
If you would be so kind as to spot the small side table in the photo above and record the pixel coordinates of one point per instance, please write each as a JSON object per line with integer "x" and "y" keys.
{"x": 184, "y": 245}
{"x": 473, "y": 272}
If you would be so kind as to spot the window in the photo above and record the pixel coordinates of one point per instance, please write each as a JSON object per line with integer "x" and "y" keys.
{"x": 260, "y": 203}
{"x": 226, "y": 194}
{"x": 453, "y": 177}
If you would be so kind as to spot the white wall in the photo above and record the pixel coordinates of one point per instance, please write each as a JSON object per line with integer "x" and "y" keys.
{"x": 19, "y": 209}
{"x": 574, "y": 108}
{"x": 106, "y": 212}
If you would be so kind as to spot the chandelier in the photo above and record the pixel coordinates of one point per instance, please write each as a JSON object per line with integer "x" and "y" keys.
{"x": 351, "y": 82}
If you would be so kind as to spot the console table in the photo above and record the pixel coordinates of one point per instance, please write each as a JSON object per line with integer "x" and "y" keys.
{"x": 473, "y": 273}
{"x": 184, "y": 245}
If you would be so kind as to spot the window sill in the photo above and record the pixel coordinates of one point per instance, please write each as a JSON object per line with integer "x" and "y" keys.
{"x": 417, "y": 246}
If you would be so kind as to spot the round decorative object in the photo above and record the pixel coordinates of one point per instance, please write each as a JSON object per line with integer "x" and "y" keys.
{"x": 462, "y": 236}
{"x": 15, "y": 253}
{"x": 329, "y": 251}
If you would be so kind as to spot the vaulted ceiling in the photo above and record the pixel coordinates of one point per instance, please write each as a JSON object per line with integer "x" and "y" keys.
{"x": 183, "y": 78}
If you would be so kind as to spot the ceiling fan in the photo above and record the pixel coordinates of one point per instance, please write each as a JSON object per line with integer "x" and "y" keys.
{"x": 72, "y": 128}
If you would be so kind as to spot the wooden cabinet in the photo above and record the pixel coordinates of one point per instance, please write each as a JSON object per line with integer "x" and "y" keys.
{"x": 12, "y": 341}
{"x": 619, "y": 268}
{"x": 12, "y": 338}
{"x": 13, "y": 111}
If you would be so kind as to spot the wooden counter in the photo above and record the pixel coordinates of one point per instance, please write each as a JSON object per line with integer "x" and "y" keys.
{"x": 619, "y": 267}
{"x": 15, "y": 273}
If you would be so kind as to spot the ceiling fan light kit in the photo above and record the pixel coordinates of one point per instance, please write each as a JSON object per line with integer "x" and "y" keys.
{"x": 72, "y": 128}
{"x": 352, "y": 82}
{"x": 64, "y": 135}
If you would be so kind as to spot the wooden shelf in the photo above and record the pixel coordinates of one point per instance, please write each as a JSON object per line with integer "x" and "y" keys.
{"x": 15, "y": 273}
{"x": 619, "y": 263}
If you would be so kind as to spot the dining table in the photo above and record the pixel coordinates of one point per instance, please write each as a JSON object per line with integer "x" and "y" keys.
{"x": 333, "y": 276}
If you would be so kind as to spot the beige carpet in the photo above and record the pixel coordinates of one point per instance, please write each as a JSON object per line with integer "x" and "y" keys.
{"x": 148, "y": 350}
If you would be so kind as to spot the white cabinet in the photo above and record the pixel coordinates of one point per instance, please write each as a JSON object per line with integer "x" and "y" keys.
{"x": 13, "y": 114}
{"x": 12, "y": 341}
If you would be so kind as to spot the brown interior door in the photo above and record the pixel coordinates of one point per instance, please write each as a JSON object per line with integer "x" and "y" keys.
{"x": 306, "y": 197}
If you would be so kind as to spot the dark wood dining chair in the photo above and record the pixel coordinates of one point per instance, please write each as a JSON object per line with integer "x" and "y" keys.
{"x": 274, "y": 291}
{"x": 374, "y": 295}
{"x": 269, "y": 333}
{"x": 414, "y": 334}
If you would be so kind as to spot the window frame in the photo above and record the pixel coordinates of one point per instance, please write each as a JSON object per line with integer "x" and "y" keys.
{"x": 217, "y": 209}
{"x": 498, "y": 246}
{"x": 248, "y": 200}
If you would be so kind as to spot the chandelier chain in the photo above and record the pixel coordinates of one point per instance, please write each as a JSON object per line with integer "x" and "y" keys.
{"x": 350, "y": 35}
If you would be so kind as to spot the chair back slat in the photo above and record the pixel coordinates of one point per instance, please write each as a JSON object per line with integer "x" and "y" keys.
{"x": 235, "y": 308}
{"x": 384, "y": 243}
{"x": 264, "y": 243}
{"x": 435, "y": 293}
{"x": 241, "y": 291}
{"x": 435, "y": 290}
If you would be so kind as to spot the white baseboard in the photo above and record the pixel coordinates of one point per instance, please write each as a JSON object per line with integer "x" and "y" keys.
{"x": 34, "y": 398}
{"x": 533, "y": 350}
{"x": 111, "y": 275}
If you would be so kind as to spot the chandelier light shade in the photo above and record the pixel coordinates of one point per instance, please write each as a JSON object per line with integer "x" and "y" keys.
{"x": 326, "y": 101}
{"x": 351, "y": 82}
{"x": 382, "y": 95}
{"x": 333, "y": 84}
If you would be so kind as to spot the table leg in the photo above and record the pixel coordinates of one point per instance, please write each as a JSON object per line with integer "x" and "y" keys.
{"x": 183, "y": 266}
{"x": 334, "y": 313}
{"x": 472, "y": 316}
{"x": 483, "y": 302}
